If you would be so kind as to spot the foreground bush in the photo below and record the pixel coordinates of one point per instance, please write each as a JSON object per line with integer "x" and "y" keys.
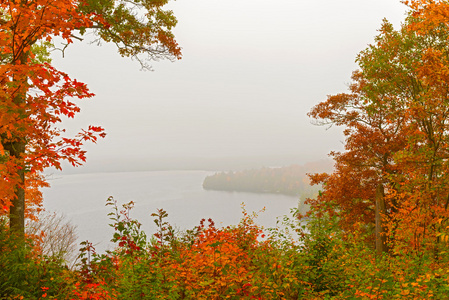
{"x": 293, "y": 261}
{"x": 27, "y": 274}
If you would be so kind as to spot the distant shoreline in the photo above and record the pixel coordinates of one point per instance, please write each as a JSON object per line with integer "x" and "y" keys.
{"x": 290, "y": 181}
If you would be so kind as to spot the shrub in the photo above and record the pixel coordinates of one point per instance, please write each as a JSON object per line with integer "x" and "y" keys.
{"x": 56, "y": 236}
{"x": 26, "y": 273}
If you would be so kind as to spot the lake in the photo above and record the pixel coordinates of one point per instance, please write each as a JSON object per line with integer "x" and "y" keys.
{"x": 82, "y": 198}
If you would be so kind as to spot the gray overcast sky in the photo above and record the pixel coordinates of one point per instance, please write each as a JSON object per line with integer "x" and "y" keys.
{"x": 251, "y": 70}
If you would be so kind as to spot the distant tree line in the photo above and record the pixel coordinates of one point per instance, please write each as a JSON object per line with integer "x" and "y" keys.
{"x": 291, "y": 180}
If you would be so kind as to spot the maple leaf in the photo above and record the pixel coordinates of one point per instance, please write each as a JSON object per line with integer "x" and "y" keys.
{"x": 34, "y": 94}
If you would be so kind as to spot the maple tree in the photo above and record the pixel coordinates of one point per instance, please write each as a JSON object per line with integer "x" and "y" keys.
{"x": 394, "y": 168}
{"x": 35, "y": 96}
{"x": 375, "y": 131}
{"x": 428, "y": 159}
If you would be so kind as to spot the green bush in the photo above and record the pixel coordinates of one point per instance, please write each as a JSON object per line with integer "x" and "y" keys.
{"x": 24, "y": 272}
{"x": 318, "y": 260}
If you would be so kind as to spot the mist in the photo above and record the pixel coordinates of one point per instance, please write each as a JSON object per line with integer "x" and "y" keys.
{"x": 251, "y": 70}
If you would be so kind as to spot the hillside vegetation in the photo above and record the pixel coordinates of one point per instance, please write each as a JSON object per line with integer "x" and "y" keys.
{"x": 291, "y": 261}
{"x": 291, "y": 180}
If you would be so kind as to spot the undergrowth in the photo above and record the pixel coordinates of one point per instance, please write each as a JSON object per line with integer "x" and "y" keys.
{"x": 292, "y": 261}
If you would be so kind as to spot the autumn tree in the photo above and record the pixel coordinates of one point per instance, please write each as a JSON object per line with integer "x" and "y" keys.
{"x": 35, "y": 96}
{"x": 427, "y": 158}
{"x": 396, "y": 132}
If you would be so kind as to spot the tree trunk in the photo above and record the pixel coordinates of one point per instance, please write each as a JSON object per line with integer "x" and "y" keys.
{"x": 16, "y": 149}
{"x": 17, "y": 210}
{"x": 381, "y": 245}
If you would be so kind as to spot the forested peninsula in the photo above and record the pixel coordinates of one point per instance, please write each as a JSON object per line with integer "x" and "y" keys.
{"x": 290, "y": 180}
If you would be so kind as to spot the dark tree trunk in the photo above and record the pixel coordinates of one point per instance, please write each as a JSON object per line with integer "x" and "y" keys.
{"x": 381, "y": 245}
{"x": 16, "y": 149}
{"x": 17, "y": 210}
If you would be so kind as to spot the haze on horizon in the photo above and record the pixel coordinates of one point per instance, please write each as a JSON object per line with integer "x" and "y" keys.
{"x": 251, "y": 70}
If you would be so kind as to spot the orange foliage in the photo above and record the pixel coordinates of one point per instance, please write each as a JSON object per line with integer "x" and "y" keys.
{"x": 396, "y": 132}
{"x": 35, "y": 96}
{"x": 217, "y": 263}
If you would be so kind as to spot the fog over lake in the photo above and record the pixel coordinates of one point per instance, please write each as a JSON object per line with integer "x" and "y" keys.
{"x": 82, "y": 198}
{"x": 250, "y": 72}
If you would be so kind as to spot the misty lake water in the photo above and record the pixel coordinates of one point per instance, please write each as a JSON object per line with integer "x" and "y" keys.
{"x": 82, "y": 197}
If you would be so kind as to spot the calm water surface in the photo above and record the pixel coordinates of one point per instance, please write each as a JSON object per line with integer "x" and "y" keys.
{"x": 82, "y": 198}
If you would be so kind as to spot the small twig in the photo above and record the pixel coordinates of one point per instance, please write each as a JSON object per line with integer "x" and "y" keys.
{"x": 77, "y": 37}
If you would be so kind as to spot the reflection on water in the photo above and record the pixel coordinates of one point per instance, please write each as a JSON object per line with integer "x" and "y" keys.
{"x": 82, "y": 199}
